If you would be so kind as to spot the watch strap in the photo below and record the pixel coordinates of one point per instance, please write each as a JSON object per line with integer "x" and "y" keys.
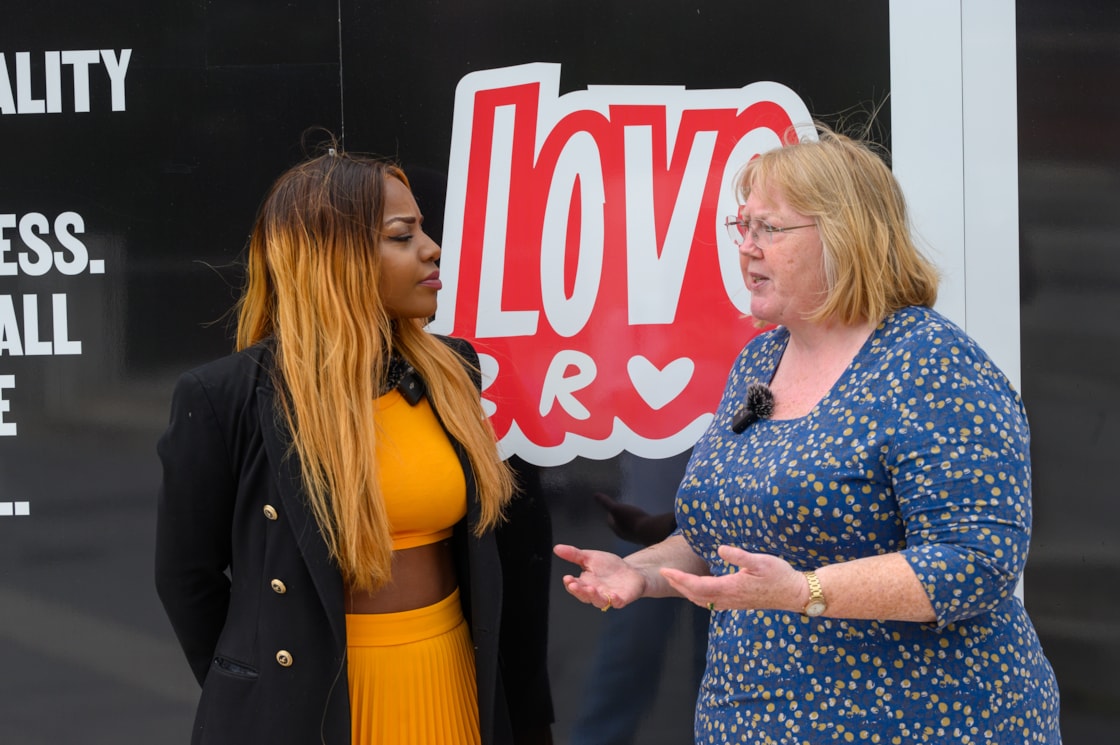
{"x": 816, "y": 593}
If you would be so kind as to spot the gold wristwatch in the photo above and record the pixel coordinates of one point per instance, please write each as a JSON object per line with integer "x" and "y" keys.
{"x": 816, "y": 605}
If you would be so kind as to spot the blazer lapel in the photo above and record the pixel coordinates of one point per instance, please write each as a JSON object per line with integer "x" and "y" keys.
{"x": 324, "y": 572}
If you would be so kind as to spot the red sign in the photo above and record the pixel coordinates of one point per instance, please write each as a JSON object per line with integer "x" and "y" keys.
{"x": 585, "y": 255}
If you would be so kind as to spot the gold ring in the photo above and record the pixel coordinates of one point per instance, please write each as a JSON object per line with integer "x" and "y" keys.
{"x": 606, "y": 607}
{"x": 711, "y": 606}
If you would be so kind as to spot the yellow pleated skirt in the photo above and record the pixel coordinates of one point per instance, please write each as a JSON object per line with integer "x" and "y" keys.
{"x": 412, "y": 678}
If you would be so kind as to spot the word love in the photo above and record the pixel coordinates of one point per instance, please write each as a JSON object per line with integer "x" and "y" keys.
{"x": 37, "y": 86}
{"x": 584, "y": 254}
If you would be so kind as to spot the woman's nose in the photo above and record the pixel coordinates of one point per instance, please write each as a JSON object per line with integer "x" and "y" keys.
{"x": 749, "y": 248}
{"x": 431, "y": 250}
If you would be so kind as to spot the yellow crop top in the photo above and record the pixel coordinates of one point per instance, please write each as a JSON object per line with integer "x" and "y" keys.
{"x": 421, "y": 478}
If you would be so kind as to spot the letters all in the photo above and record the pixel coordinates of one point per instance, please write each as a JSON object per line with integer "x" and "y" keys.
{"x": 27, "y": 338}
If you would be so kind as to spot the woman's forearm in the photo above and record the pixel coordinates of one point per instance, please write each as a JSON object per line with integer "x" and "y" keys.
{"x": 673, "y": 552}
{"x": 875, "y": 588}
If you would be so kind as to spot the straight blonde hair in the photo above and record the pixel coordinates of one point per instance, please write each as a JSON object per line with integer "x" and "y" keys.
{"x": 871, "y": 265}
{"x": 311, "y": 284}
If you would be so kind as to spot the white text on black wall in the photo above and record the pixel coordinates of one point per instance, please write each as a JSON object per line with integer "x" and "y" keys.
{"x": 34, "y": 244}
{"x": 27, "y": 87}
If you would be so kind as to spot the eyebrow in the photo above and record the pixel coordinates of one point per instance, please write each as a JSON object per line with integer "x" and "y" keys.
{"x": 410, "y": 219}
{"x": 742, "y": 209}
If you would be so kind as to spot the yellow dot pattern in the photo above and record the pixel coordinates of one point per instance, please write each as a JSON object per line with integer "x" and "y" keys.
{"x": 921, "y": 447}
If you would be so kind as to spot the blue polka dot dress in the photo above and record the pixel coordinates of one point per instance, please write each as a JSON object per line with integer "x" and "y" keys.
{"x": 920, "y": 447}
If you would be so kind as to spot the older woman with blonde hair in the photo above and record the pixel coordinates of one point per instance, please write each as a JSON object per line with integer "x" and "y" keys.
{"x": 329, "y": 545}
{"x": 858, "y": 513}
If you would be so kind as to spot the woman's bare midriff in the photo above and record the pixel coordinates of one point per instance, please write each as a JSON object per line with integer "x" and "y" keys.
{"x": 422, "y": 576}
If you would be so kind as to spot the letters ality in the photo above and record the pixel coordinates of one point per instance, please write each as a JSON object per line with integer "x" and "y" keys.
{"x": 20, "y": 79}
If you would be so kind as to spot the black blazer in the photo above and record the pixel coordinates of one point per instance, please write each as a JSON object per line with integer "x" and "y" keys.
{"x": 257, "y": 602}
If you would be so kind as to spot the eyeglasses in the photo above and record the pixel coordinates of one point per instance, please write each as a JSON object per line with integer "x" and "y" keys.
{"x": 761, "y": 233}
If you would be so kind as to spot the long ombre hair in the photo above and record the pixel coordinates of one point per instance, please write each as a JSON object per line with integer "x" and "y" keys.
{"x": 311, "y": 284}
{"x": 871, "y": 265}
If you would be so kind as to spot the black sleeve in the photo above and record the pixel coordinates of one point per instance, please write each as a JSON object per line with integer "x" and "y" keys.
{"x": 194, "y": 517}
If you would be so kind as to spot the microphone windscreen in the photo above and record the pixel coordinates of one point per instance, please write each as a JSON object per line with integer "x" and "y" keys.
{"x": 757, "y": 404}
{"x": 760, "y": 400}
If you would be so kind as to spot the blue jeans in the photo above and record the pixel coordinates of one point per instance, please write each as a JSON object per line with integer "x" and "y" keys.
{"x": 623, "y": 681}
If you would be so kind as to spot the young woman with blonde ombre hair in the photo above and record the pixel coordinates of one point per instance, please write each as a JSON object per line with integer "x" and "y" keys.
{"x": 328, "y": 543}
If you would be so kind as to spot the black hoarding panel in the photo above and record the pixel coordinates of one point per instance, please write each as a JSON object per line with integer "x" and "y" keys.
{"x": 1069, "y": 228}
{"x": 138, "y": 140}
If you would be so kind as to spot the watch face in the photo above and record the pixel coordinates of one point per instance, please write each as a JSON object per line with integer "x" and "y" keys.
{"x": 815, "y": 608}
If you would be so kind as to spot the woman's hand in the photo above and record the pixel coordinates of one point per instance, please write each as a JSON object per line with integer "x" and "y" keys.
{"x": 606, "y": 581}
{"x": 763, "y": 581}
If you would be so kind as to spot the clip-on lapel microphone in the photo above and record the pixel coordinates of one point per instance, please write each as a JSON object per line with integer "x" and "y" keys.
{"x": 757, "y": 404}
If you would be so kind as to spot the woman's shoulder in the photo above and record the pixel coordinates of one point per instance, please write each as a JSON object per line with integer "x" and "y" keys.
{"x": 758, "y": 358}
{"x": 923, "y": 339}
{"x": 917, "y": 327}
{"x": 765, "y": 345}
{"x": 467, "y": 354}
{"x": 460, "y": 346}
{"x": 244, "y": 369}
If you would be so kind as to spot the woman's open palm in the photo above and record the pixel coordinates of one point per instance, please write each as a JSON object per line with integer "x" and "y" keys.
{"x": 606, "y": 580}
